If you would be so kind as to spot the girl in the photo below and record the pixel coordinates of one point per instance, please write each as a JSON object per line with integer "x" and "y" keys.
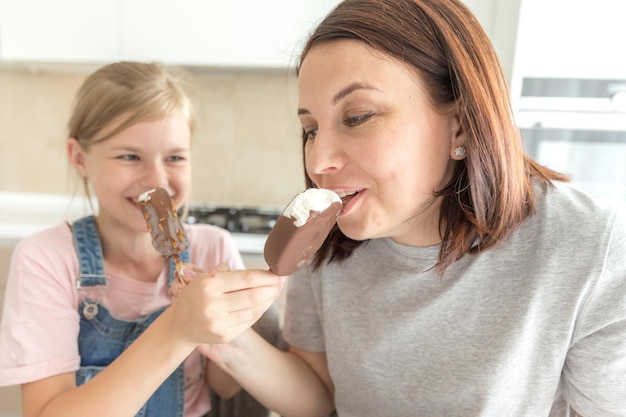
{"x": 88, "y": 328}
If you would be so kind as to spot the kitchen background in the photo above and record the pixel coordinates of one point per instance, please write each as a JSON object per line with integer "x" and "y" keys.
{"x": 563, "y": 58}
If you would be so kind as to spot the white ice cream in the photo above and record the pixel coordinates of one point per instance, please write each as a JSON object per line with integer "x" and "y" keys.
{"x": 316, "y": 199}
{"x": 146, "y": 196}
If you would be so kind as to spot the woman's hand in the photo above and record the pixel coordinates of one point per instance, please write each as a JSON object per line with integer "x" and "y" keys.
{"x": 215, "y": 307}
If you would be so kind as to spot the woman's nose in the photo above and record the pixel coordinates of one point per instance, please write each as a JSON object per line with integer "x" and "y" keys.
{"x": 323, "y": 154}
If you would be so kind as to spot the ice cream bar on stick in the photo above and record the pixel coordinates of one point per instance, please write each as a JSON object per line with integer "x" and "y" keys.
{"x": 301, "y": 230}
{"x": 168, "y": 235}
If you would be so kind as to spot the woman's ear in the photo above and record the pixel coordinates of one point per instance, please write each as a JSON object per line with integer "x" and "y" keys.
{"x": 458, "y": 149}
{"x": 76, "y": 155}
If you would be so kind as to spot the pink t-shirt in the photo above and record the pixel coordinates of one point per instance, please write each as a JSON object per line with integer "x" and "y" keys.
{"x": 40, "y": 322}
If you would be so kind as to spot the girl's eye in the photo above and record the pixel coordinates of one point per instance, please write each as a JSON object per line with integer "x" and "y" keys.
{"x": 175, "y": 158}
{"x": 357, "y": 120}
{"x": 129, "y": 157}
{"x": 309, "y": 134}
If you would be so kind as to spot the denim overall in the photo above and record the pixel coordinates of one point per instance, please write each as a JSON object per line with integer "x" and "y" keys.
{"x": 102, "y": 337}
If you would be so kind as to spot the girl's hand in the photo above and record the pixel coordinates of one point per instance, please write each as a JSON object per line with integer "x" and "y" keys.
{"x": 189, "y": 272}
{"x": 217, "y": 306}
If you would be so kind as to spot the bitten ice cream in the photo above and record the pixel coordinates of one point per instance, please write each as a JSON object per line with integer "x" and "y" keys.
{"x": 301, "y": 230}
{"x": 168, "y": 235}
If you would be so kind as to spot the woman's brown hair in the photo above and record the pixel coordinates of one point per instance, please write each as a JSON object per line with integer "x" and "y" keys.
{"x": 492, "y": 190}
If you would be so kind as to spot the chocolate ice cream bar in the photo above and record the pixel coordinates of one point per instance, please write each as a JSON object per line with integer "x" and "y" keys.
{"x": 301, "y": 230}
{"x": 168, "y": 235}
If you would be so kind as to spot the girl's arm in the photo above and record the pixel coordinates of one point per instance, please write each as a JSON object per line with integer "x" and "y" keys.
{"x": 122, "y": 387}
{"x": 214, "y": 308}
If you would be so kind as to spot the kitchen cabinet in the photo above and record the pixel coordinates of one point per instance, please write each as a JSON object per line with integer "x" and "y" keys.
{"x": 244, "y": 33}
{"x": 58, "y": 30}
{"x": 569, "y": 87}
{"x": 574, "y": 39}
{"x": 500, "y": 20}
{"x": 563, "y": 39}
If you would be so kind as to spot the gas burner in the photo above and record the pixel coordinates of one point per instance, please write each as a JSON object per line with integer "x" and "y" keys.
{"x": 255, "y": 220}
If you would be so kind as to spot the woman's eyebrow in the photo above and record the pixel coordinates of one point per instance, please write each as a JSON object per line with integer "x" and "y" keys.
{"x": 350, "y": 89}
{"x": 342, "y": 94}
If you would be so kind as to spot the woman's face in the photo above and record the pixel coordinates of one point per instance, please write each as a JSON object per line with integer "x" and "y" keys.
{"x": 372, "y": 134}
{"x": 144, "y": 156}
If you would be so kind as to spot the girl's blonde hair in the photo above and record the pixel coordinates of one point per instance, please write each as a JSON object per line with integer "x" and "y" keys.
{"x": 135, "y": 90}
{"x": 125, "y": 93}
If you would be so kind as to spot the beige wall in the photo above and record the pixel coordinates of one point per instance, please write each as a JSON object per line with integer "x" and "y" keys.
{"x": 246, "y": 146}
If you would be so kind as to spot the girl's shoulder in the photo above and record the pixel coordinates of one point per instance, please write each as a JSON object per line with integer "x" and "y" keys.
{"x": 211, "y": 245}
{"x": 207, "y": 233}
{"x": 55, "y": 239}
{"x": 45, "y": 264}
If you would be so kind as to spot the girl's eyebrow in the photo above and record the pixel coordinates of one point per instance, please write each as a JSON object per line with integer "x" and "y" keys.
{"x": 135, "y": 149}
{"x": 124, "y": 148}
{"x": 342, "y": 94}
{"x": 180, "y": 149}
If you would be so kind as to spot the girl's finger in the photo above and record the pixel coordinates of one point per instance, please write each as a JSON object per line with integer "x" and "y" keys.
{"x": 248, "y": 278}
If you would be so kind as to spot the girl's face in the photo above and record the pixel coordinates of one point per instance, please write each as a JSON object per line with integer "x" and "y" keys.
{"x": 372, "y": 134}
{"x": 144, "y": 156}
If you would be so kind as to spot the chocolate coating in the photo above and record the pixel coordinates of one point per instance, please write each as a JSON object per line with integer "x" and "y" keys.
{"x": 168, "y": 235}
{"x": 289, "y": 248}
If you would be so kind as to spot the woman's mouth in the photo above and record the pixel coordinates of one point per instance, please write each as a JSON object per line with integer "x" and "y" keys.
{"x": 347, "y": 196}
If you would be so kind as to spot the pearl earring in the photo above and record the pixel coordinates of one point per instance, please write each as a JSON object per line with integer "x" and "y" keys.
{"x": 460, "y": 151}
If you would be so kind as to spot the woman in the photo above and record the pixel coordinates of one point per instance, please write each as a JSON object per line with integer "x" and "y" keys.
{"x": 463, "y": 278}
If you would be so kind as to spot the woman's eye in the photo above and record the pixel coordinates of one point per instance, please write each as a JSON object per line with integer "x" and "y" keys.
{"x": 357, "y": 120}
{"x": 309, "y": 134}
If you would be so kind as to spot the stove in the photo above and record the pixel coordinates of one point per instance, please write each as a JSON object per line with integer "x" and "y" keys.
{"x": 249, "y": 227}
{"x": 256, "y": 220}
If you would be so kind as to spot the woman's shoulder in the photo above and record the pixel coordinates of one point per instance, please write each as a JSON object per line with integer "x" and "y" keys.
{"x": 566, "y": 213}
{"x": 568, "y": 202}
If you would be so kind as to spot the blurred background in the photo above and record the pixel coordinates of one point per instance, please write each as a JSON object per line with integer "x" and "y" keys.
{"x": 564, "y": 61}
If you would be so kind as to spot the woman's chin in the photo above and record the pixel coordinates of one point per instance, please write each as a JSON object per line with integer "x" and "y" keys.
{"x": 353, "y": 231}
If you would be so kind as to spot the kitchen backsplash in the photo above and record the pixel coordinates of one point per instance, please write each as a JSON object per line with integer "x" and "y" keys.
{"x": 246, "y": 147}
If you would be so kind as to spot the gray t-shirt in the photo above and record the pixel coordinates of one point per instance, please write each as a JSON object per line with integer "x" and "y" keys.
{"x": 493, "y": 337}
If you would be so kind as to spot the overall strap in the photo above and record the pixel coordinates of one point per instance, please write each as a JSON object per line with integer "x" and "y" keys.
{"x": 91, "y": 278}
{"x": 184, "y": 256}
{"x": 90, "y": 258}
{"x": 102, "y": 337}
{"x": 89, "y": 252}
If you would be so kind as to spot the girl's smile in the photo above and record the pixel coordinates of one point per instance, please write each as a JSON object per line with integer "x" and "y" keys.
{"x": 144, "y": 156}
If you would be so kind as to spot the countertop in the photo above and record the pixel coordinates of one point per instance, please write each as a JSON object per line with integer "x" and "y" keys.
{"x": 22, "y": 214}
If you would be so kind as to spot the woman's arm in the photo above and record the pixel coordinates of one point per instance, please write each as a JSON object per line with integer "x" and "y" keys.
{"x": 221, "y": 382}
